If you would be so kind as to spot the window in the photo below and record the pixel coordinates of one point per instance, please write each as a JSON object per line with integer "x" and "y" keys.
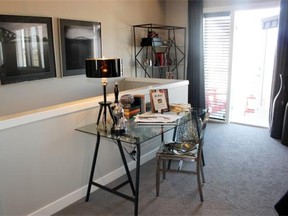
{"x": 216, "y": 41}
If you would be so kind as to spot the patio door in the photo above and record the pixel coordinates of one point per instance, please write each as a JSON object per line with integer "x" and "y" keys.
{"x": 255, "y": 40}
{"x": 239, "y": 50}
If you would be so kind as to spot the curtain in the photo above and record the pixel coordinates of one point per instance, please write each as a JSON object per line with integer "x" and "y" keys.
{"x": 281, "y": 62}
{"x": 195, "y": 68}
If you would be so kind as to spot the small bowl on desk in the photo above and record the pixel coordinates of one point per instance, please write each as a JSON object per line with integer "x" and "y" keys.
{"x": 126, "y": 100}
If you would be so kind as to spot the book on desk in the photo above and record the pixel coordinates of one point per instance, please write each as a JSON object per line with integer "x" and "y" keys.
{"x": 137, "y": 107}
{"x": 132, "y": 111}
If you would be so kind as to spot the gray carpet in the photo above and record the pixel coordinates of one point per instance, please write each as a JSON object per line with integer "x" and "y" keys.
{"x": 246, "y": 174}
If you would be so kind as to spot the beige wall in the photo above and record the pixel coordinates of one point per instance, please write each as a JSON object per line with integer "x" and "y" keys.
{"x": 177, "y": 13}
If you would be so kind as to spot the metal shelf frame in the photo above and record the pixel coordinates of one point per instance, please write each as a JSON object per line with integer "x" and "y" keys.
{"x": 170, "y": 49}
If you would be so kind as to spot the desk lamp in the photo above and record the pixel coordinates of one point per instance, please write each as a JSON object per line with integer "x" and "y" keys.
{"x": 104, "y": 68}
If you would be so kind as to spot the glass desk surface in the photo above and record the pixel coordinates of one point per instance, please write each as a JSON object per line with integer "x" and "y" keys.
{"x": 139, "y": 133}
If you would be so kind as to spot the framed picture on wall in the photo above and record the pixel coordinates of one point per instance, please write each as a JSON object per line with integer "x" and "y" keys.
{"x": 79, "y": 40}
{"x": 26, "y": 48}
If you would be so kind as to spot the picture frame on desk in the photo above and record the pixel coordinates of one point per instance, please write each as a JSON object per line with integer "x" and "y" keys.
{"x": 159, "y": 99}
{"x": 79, "y": 40}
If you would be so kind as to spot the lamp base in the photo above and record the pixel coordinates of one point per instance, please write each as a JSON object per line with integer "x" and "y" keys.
{"x": 103, "y": 107}
{"x": 118, "y": 132}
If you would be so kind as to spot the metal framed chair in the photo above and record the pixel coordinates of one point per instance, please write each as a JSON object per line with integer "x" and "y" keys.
{"x": 188, "y": 147}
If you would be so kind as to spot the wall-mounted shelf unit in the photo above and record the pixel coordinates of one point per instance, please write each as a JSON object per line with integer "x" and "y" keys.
{"x": 159, "y": 51}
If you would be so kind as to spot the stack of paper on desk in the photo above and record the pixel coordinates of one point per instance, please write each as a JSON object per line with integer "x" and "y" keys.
{"x": 156, "y": 118}
{"x": 176, "y": 107}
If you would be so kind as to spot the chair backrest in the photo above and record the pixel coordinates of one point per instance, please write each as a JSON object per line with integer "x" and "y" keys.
{"x": 204, "y": 125}
{"x": 192, "y": 130}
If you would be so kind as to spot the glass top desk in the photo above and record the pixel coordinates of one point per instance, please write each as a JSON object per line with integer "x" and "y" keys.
{"x": 136, "y": 134}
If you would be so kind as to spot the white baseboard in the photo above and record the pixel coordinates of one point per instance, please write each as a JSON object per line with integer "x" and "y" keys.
{"x": 69, "y": 199}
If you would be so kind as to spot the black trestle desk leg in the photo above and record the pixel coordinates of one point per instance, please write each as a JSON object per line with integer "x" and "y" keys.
{"x": 126, "y": 166}
{"x": 137, "y": 183}
{"x": 93, "y": 167}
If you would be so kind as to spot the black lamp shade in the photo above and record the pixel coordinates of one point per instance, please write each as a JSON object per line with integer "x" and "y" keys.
{"x": 102, "y": 67}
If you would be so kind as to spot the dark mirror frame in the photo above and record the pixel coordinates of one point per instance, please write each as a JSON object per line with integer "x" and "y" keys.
{"x": 36, "y": 58}
{"x": 79, "y": 40}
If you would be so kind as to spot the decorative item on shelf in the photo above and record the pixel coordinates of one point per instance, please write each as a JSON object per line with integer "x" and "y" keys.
{"x": 126, "y": 100}
{"x": 151, "y": 42}
{"x": 170, "y": 75}
{"x": 147, "y": 63}
{"x": 160, "y": 59}
{"x": 278, "y": 108}
{"x": 170, "y": 61}
{"x": 104, "y": 68}
{"x": 152, "y": 34}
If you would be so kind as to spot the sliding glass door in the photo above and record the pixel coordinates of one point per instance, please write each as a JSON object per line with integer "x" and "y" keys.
{"x": 239, "y": 50}
{"x": 255, "y": 40}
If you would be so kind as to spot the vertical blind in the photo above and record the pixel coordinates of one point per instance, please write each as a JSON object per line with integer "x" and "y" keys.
{"x": 216, "y": 42}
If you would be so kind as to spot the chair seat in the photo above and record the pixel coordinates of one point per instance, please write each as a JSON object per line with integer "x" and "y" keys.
{"x": 181, "y": 149}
